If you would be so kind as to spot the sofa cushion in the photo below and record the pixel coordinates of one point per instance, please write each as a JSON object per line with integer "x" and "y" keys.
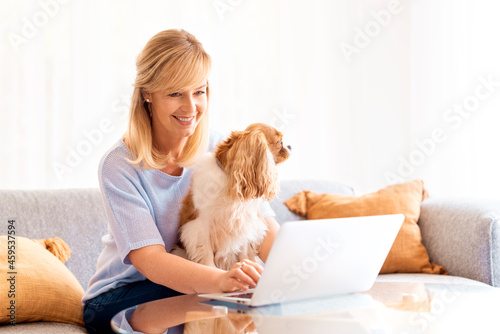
{"x": 288, "y": 188}
{"x": 74, "y": 215}
{"x": 431, "y": 279}
{"x": 40, "y": 287}
{"x": 408, "y": 254}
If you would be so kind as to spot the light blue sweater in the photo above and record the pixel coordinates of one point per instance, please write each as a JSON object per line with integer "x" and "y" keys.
{"x": 142, "y": 208}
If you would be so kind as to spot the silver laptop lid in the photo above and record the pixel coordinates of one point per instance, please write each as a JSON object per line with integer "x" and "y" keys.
{"x": 314, "y": 258}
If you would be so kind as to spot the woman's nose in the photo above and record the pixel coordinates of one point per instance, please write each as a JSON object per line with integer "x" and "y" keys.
{"x": 189, "y": 104}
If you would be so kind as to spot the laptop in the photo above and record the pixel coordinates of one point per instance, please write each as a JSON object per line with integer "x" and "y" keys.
{"x": 318, "y": 258}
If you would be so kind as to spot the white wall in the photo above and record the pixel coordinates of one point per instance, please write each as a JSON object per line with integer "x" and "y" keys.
{"x": 349, "y": 118}
{"x": 455, "y": 50}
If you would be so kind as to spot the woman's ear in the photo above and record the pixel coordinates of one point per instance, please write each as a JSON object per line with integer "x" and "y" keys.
{"x": 145, "y": 95}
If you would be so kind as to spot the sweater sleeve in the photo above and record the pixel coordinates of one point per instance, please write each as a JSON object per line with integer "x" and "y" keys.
{"x": 267, "y": 211}
{"x": 128, "y": 208}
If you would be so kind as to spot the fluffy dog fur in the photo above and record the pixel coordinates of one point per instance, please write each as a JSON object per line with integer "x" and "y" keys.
{"x": 221, "y": 220}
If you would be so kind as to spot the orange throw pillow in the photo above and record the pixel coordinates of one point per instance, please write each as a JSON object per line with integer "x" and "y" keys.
{"x": 408, "y": 254}
{"x": 41, "y": 287}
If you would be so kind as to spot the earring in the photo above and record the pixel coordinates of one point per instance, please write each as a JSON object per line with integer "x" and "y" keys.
{"x": 148, "y": 106}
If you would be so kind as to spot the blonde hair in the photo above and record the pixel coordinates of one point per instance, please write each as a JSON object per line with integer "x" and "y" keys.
{"x": 172, "y": 60}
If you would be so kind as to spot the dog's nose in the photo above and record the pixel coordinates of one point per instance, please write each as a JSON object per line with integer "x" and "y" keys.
{"x": 289, "y": 147}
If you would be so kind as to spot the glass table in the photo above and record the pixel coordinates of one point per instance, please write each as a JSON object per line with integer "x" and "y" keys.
{"x": 388, "y": 307}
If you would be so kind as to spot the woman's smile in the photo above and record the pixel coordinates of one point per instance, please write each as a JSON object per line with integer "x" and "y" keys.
{"x": 184, "y": 120}
{"x": 176, "y": 115}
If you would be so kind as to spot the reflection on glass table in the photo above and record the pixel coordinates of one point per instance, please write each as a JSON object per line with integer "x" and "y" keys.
{"x": 388, "y": 307}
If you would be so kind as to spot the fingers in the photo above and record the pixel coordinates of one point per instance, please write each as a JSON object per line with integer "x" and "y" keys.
{"x": 236, "y": 285}
{"x": 239, "y": 272}
{"x": 255, "y": 265}
{"x": 251, "y": 269}
{"x": 242, "y": 275}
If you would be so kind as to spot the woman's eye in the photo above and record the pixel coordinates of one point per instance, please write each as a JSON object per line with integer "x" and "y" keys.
{"x": 200, "y": 92}
{"x": 174, "y": 94}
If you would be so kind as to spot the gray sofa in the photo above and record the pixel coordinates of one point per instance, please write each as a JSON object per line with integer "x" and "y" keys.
{"x": 462, "y": 235}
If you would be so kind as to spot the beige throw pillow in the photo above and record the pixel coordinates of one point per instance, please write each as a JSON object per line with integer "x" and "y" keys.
{"x": 408, "y": 254}
{"x": 41, "y": 287}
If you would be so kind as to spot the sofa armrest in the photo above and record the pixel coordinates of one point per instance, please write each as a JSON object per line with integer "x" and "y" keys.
{"x": 463, "y": 236}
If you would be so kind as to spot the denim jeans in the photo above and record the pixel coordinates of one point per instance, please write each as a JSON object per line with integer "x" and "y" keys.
{"x": 97, "y": 312}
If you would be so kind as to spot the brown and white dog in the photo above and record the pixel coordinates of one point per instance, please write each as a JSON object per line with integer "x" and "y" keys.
{"x": 221, "y": 219}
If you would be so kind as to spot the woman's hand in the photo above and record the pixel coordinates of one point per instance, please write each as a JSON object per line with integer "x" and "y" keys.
{"x": 242, "y": 276}
{"x": 190, "y": 277}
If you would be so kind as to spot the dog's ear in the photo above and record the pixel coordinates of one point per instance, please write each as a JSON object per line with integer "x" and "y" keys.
{"x": 250, "y": 167}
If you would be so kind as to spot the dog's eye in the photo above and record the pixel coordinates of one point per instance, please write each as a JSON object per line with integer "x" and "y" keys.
{"x": 278, "y": 142}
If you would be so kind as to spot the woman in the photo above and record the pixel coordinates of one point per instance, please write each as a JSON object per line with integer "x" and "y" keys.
{"x": 143, "y": 179}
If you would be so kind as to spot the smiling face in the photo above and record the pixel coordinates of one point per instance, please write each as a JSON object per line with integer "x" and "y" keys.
{"x": 274, "y": 141}
{"x": 176, "y": 114}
